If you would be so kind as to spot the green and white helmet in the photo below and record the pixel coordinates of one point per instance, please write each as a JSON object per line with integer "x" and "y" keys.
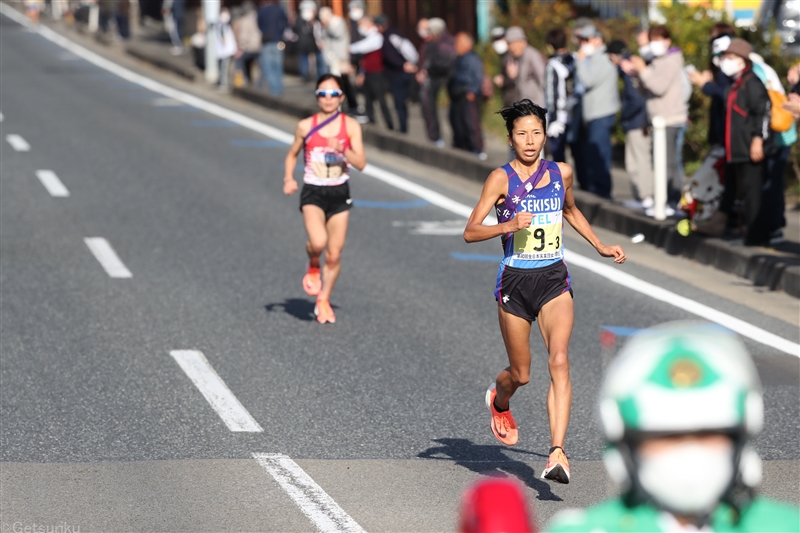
{"x": 678, "y": 378}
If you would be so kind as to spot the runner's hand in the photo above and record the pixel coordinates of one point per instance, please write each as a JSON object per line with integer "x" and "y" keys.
{"x": 336, "y": 144}
{"x": 521, "y": 221}
{"x": 614, "y": 251}
{"x": 289, "y": 187}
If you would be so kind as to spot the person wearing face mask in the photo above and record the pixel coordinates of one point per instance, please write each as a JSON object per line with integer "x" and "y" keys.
{"x": 370, "y": 72}
{"x": 508, "y": 66}
{"x": 307, "y": 31}
{"x": 599, "y": 104}
{"x": 679, "y": 408}
{"x": 747, "y": 140}
{"x": 436, "y": 64}
{"x": 663, "y": 83}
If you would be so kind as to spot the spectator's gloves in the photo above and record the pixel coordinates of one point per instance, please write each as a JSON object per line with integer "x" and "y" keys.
{"x": 556, "y": 129}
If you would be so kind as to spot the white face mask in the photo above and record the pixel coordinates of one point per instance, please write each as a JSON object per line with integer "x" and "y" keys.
{"x": 588, "y": 49}
{"x": 690, "y": 479}
{"x": 731, "y": 67}
{"x": 500, "y": 46}
{"x": 356, "y": 14}
{"x": 658, "y": 48}
{"x": 307, "y": 15}
{"x": 715, "y": 60}
{"x": 646, "y": 51}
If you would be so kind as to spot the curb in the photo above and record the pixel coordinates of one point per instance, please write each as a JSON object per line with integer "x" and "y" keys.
{"x": 764, "y": 267}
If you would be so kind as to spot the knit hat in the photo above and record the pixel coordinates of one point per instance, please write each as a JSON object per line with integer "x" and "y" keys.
{"x": 515, "y": 33}
{"x": 586, "y": 31}
{"x": 740, "y": 47}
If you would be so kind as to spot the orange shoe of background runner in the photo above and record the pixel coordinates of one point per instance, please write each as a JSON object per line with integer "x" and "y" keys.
{"x": 312, "y": 283}
{"x": 504, "y": 426}
{"x": 557, "y": 468}
{"x": 324, "y": 312}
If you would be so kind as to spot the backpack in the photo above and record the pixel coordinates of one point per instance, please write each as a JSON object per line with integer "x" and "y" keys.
{"x": 781, "y": 120}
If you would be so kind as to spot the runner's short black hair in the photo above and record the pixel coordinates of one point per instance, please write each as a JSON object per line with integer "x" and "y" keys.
{"x": 523, "y": 108}
{"x": 326, "y": 77}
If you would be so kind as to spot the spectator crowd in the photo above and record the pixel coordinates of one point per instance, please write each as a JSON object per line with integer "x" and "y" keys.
{"x": 737, "y": 192}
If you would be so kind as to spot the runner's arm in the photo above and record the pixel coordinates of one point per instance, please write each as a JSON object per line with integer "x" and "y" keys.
{"x": 355, "y": 154}
{"x": 495, "y": 188}
{"x": 576, "y": 219}
{"x": 289, "y": 183}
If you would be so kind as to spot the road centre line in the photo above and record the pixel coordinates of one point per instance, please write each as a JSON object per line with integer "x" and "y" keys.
{"x": 739, "y": 326}
{"x": 52, "y": 183}
{"x": 107, "y": 257}
{"x": 216, "y": 392}
{"x": 314, "y": 502}
{"x": 18, "y": 143}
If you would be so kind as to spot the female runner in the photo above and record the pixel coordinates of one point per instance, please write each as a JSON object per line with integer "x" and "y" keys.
{"x": 332, "y": 143}
{"x": 531, "y": 197}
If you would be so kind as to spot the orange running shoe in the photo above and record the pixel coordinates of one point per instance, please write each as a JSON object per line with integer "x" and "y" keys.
{"x": 312, "y": 283}
{"x": 557, "y": 467}
{"x": 324, "y": 312}
{"x": 504, "y": 426}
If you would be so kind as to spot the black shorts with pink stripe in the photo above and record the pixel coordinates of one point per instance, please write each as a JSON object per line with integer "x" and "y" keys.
{"x": 523, "y": 292}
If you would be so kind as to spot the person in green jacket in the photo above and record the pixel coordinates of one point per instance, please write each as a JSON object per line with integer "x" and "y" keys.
{"x": 679, "y": 407}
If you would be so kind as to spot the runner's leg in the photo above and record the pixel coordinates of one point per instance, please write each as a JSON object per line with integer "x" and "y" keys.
{"x": 314, "y": 220}
{"x": 555, "y": 324}
{"x": 337, "y": 235}
{"x": 516, "y": 336}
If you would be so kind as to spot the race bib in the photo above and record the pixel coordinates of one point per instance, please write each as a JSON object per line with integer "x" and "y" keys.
{"x": 542, "y": 240}
{"x": 327, "y": 163}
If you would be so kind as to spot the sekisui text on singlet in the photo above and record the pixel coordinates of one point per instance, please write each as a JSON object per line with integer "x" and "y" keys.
{"x": 542, "y": 244}
{"x": 325, "y": 166}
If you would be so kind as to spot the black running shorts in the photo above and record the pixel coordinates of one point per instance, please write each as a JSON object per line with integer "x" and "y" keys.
{"x": 523, "y": 292}
{"x": 332, "y": 199}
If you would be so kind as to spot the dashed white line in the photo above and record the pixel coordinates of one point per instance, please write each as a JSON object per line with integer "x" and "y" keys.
{"x": 314, "y": 502}
{"x": 435, "y": 198}
{"x": 107, "y": 257}
{"x": 52, "y": 183}
{"x": 211, "y": 386}
{"x": 18, "y": 143}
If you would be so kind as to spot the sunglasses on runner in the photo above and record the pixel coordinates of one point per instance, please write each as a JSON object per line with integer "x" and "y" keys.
{"x": 333, "y": 93}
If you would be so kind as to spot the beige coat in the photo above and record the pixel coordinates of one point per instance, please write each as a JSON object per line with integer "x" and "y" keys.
{"x": 664, "y": 88}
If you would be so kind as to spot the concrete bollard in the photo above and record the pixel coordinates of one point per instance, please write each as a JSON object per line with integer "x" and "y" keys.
{"x": 659, "y": 168}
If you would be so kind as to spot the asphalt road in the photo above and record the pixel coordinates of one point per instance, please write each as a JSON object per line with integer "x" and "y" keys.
{"x": 101, "y": 430}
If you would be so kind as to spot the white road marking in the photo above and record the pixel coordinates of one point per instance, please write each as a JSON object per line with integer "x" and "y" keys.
{"x": 222, "y": 400}
{"x": 52, "y": 183}
{"x": 167, "y": 102}
{"x": 435, "y": 198}
{"x": 107, "y": 257}
{"x": 314, "y": 502}
{"x": 432, "y": 227}
{"x": 18, "y": 143}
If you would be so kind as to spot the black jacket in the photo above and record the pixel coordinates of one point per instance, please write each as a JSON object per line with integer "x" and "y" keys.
{"x": 634, "y": 105}
{"x": 747, "y": 115}
{"x": 716, "y": 114}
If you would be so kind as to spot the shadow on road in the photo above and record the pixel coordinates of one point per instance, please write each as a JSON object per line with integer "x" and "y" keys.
{"x": 299, "y": 308}
{"x": 490, "y": 460}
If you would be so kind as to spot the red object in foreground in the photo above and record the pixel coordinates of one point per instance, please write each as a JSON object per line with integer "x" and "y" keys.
{"x": 495, "y": 505}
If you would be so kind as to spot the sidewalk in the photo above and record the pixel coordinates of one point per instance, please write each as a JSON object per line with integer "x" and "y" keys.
{"x": 777, "y": 268}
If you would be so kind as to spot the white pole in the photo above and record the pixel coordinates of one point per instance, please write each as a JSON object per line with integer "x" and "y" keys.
{"x": 94, "y": 17}
{"x": 55, "y": 9}
{"x": 659, "y": 168}
{"x": 211, "y": 12}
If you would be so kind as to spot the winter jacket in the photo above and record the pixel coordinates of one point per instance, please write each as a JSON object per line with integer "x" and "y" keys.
{"x": 560, "y": 81}
{"x": 306, "y": 41}
{"x": 598, "y": 75}
{"x": 467, "y": 75}
{"x": 530, "y": 81}
{"x": 440, "y": 55}
{"x": 247, "y": 34}
{"x": 746, "y": 116}
{"x": 272, "y": 22}
{"x": 634, "y": 105}
{"x": 662, "y": 81}
{"x": 395, "y": 49}
{"x": 716, "y": 114}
